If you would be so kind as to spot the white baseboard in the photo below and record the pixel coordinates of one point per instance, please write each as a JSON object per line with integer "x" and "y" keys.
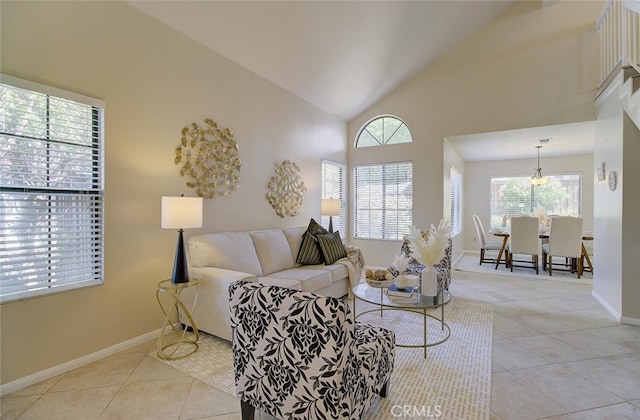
{"x": 630, "y": 320}
{"x": 18, "y": 384}
{"x": 606, "y": 306}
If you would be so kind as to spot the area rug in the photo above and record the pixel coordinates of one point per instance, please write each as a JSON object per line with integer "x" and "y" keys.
{"x": 469, "y": 262}
{"x": 454, "y": 381}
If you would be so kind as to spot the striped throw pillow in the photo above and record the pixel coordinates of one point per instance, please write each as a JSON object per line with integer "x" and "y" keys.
{"x": 309, "y": 252}
{"x": 331, "y": 247}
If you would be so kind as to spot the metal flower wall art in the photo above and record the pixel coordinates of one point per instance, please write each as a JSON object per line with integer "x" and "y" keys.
{"x": 286, "y": 189}
{"x": 209, "y": 157}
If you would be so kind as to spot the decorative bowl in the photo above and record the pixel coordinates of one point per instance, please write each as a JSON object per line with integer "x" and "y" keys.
{"x": 379, "y": 283}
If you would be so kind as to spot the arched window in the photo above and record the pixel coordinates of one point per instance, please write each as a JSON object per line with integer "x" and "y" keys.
{"x": 381, "y": 130}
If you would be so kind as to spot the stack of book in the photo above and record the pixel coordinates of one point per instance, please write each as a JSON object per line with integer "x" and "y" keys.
{"x": 402, "y": 295}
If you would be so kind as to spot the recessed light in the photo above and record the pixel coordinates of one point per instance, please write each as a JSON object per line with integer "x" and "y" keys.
{"x": 545, "y": 141}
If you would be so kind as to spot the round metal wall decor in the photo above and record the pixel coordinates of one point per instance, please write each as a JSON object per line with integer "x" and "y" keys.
{"x": 209, "y": 157}
{"x": 286, "y": 189}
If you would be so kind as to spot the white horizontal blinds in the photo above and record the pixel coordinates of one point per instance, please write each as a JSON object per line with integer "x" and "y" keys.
{"x": 514, "y": 196}
{"x": 456, "y": 202}
{"x": 51, "y": 192}
{"x": 383, "y": 200}
{"x": 333, "y": 182}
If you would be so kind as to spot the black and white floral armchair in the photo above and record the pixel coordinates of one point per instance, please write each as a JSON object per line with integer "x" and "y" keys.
{"x": 298, "y": 355}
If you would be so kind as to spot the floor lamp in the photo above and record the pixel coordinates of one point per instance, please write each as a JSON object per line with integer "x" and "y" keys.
{"x": 181, "y": 213}
{"x": 330, "y": 207}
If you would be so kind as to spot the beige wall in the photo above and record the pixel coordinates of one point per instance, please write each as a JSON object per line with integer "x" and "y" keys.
{"x": 154, "y": 82}
{"x": 533, "y": 66}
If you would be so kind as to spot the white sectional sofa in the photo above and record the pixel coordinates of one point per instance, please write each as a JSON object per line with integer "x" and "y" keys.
{"x": 267, "y": 257}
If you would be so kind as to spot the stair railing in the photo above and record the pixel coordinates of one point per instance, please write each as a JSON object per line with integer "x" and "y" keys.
{"x": 619, "y": 32}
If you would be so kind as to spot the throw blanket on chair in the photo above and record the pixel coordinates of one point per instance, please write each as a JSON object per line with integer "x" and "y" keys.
{"x": 354, "y": 263}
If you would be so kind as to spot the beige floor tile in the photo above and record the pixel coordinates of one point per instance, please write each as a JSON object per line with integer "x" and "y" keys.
{"x": 566, "y": 388}
{"x": 12, "y": 407}
{"x": 622, "y": 411}
{"x": 151, "y": 369}
{"x": 509, "y": 327}
{"x": 38, "y": 388}
{"x": 636, "y": 403}
{"x": 554, "y": 351}
{"x": 76, "y": 404}
{"x": 161, "y": 399}
{"x": 204, "y": 400}
{"x": 510, "y": 355}
{"x": 112, "y": 370}
{"x": 591, "y": 342}
{"x": 542, "y": 324}
{"x": 512, "y": 398}
{"x": 629, "y": 361}
{"x": 586, "y": 318}
{"x": 619, "y": 381}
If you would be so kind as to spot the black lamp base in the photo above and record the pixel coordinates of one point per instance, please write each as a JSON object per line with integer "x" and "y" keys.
{"x": 330, "y": 224}
{"x": 180, "y": 272}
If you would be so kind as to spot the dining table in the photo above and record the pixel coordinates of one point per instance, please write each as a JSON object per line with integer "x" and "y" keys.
{"x": 586, "y": 236}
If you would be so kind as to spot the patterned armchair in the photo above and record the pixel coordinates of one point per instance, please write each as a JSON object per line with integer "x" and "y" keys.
{"x": 443, "y": 268}
{"x": 298, "y": 355}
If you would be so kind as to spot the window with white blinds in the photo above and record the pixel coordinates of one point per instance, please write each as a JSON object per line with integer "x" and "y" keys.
{"x": 333, "y": 187}
{"x": 456, "y": 202}
{"x": 51, "y": 190}
{"x": 383, "y": 200}
{"x": 515, "y": 196}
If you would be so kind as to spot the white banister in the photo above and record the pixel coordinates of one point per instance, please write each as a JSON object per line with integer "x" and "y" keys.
{"x": 619, "y": 29}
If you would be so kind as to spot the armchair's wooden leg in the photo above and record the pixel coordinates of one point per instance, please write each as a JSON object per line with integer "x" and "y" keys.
{"x": 385, "y": 389}
{"x": 248, "y": 411}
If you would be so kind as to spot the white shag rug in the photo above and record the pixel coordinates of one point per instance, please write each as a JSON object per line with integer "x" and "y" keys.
{"x": 454, "y": 381}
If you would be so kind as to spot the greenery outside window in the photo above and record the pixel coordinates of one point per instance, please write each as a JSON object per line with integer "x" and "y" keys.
{"x": 384, "y": 129}
{"x": 51, "y": 190}
{"x": 333, "y": 187}
{"x": 515, "y": 196}
{"x": 383, "y": 200}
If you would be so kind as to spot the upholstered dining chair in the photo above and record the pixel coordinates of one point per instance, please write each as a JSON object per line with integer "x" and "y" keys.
{"x": 524, "y": 240}
{"x": 565, "y": 240}
{"x": 487, "y": 245}
{"x": 298, "y": 355}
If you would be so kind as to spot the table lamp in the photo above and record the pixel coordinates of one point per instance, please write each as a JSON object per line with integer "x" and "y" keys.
{"x": 330, "y": 207}
{"x": 181, "y": 213}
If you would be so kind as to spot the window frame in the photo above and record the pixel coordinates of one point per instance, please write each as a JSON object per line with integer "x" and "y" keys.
{"x": 75, "y": 204}
{"x": 372, "y": 121}
{"x": 499, "y": 222}
{"x": 400, "y": 231}
{"x": 456, "y": 192}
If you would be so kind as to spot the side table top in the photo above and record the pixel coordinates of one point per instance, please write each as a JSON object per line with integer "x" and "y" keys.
{"x": 167, "y": 285}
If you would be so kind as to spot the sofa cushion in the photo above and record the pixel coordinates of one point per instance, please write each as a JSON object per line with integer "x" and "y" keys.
{"x": 294, "y": 237}
{"x": 310, "y": 279}
{"x": 338, "y": 271}
{"x": 273, "y": 250}
{"x": 275, "y": 281}
{"x": 331, "y": 247}
{"x": 228, "y": 250}
{"x": 309, "y": 252}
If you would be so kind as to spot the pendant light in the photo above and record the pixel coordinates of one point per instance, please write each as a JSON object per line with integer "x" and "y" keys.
{"x": 537, "y": 178}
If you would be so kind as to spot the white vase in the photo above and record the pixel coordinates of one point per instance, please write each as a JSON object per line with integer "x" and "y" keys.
{"x": 401, "y": 281}
{"x": 429, "y": 282}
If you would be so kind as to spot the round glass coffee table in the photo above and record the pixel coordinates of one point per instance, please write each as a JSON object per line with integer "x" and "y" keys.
{"x": 418, "y": 304}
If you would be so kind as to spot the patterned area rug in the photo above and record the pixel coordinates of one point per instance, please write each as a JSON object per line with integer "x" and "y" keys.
{"x": 454, "y": 381}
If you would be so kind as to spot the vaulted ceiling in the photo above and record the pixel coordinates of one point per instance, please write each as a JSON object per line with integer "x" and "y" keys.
{"x": 344, "y": 56}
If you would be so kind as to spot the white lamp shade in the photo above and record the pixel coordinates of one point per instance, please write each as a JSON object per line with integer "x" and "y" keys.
{"x": 181, "y": 212}
{"x": 330, "y": 207}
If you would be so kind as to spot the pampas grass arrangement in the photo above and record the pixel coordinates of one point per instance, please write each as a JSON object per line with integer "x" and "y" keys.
{"x": 431, "y": 250}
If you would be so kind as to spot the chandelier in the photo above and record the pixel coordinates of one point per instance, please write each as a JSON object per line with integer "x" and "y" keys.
{"x": 537, "y": 178}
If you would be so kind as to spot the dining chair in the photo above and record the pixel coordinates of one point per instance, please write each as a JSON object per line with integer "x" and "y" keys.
{"x": 565, "y": 241}
{"x": 524, "y": 240}
{"x": 486, "y": 245}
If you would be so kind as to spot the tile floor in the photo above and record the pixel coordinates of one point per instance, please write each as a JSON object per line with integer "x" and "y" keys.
{"x": 557, "y": 354}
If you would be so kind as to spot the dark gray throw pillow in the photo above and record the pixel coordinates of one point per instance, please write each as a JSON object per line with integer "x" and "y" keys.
{"x": 331, "y": 247}
{"x": 309, "y": 252}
